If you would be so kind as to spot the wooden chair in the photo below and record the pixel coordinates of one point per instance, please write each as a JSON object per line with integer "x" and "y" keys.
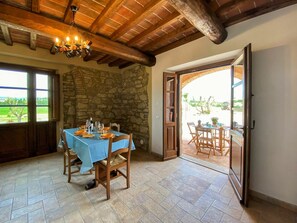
{"x": 191, "y": 126}
{"x": 115, "y": 126}
{"x": 115, "y": 160}
{"x": 204, "y": 140}
{"x": 69, "y": 157}
{"x": 221, "y": 139}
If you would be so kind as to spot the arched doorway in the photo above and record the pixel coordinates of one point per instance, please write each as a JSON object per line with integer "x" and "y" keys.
{"x": 205, "y": 95}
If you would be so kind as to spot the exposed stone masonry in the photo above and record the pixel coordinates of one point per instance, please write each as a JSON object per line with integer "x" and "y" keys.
{"x": 108, "y": 97}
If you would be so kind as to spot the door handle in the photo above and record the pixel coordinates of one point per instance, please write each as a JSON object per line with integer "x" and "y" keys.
{"x": 254, "y": 124}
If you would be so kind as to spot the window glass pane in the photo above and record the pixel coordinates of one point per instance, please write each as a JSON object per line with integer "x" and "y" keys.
{"x": 13, "y": 114}
{"x": 41, "y": 97}
{"x": 238, "y": 107}
{"x": 13, "y": 97}
{"x": 41, "y": 81}
{"x": 13, "y": 78}
{"x": 41, "y": 114}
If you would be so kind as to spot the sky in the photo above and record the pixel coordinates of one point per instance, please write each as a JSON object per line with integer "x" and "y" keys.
{"x": 216, "y": 84}
{"x": 19, "y": 79}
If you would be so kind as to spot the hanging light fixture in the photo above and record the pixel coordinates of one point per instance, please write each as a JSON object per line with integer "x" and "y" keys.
{"x": 73, "y": 45}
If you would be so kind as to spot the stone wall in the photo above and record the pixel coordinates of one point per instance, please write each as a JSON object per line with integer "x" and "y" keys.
{"x": 108, "y": 97}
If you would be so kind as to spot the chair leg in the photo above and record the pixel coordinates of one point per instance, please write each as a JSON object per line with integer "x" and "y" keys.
{"x": 69, "y": 170}
{"x": 108, "y": 185}
{"x": 64, "y": 172}
{"x": 128, "y": 175}
{"x": 97, "y": 175}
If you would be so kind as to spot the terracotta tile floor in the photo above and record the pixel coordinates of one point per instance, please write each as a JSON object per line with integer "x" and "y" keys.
{"x": 190, "y": 150}
{"x": 35, "y": 190}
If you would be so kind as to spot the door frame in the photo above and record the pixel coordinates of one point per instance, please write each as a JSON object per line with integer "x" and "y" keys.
{"x": 227, "y": 62}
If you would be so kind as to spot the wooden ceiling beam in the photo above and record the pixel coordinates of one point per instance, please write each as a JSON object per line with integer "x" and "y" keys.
{"x": 278, "y": 4}
{"x": 35, "y": 6}
{"x": 178, "y": 43}
{"x": 201, "y": 17}
{"x": 116, "y": 63}
{"x": 104, "y": 59}
{"x": 28, "y": 21}
{"x": 148, "y": 9}
{"x": 103, "y": 16}
{"x": 127, "y": 64}
{"x": 155, "y": 28}
{"x": 93, "y": 57}
{"x": 229, "y": 6}
{"x": 33, "y": 39}
{"x": 6, "y": 35}
{"x": 164, "y": 39}
{"x": 68, "y": 15}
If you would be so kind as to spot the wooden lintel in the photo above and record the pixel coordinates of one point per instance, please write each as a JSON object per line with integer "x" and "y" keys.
{"x": 111, "y": 6}
{"x": 150, "y": 7}
{"x": 28, "y": 21}
{"x": 127, "y": 64}
{"x": 35, "y": 6}
{"x": 202, "y": 17}
{"x": 6, "y": 34}
{"x": 68, "y": 15}
{"x": 33, "y": 38}
{"x": 155, "y": 28}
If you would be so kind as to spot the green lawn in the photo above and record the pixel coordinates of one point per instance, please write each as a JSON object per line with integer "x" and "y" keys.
{"x": 7, "y": 117}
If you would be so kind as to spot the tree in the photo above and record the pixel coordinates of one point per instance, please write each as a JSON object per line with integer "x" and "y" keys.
{"x": 202, "y": 105}
{"x": 18, "y": 112}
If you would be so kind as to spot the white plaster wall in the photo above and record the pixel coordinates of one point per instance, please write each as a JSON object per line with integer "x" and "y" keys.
{"x": 274, "y": 143}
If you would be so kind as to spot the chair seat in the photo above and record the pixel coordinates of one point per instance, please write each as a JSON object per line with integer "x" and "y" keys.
{"x": 118, "y": 159}
{"x": 71, "y": 152}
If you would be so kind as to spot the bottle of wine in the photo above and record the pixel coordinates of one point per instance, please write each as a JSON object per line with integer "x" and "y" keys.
{"x": 91, "y": 125}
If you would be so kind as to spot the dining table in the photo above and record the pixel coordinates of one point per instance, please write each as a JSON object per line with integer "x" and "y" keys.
{"x": 92, "y": 149}
{"x": 218, "y": 134}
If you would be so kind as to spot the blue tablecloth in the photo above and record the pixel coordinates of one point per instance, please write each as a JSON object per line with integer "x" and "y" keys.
{"x": 91, "y": 150}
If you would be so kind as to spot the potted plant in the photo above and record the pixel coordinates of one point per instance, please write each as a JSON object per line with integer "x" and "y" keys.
{"x": 214, "y": 121}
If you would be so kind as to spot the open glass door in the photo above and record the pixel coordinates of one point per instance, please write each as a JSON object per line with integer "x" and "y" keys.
{"x": 240, "y": 132}
{"x": 170, "y": 116}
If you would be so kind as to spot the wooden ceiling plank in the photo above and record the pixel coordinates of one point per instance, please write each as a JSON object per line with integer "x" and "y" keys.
{"x": 103, "y": 16}
{"x": 169, "y": 36}
{"x": 33, "y": 39}
{"x": 155, "y": 28}
{"x": 202, "y": 17}
{"x": 6, "y": 35}
{"x": 147, "y": 10}
{"x": 35, "y": 6}
{"x": 178, "y": 43}
{"x": 68, "y": 15}
{"x": 28, "y": 21}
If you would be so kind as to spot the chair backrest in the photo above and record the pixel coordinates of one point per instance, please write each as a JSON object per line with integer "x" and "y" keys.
{"x": 64, "y": 141}
{"x": 191, "y": 126}
{"x": 115, "y": 126}
{"x": 123, "y": 150}
{"x": 204, "y": 134}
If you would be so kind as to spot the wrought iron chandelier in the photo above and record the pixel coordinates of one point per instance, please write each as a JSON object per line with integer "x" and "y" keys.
{"x": 73, "y": 45}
